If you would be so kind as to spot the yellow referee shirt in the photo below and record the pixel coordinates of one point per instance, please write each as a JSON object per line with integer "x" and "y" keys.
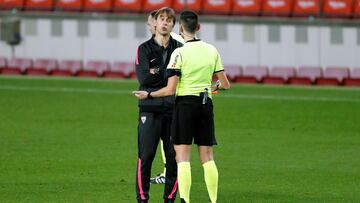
{"x": 197, "y": 61}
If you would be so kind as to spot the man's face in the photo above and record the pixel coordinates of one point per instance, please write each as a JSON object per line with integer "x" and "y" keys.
{"x": 164, "y": 24}
{"x": 151, "y": 24}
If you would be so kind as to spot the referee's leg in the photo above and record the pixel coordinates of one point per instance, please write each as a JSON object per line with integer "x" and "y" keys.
{"x": 211, "y": 175}
{"x": 149, "y": 128}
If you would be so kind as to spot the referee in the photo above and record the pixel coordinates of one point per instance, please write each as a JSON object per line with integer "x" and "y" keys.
{"x": 190, "y": 72}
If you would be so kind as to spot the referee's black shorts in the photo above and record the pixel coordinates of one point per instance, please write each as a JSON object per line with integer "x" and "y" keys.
{"x": 193, "y": 120}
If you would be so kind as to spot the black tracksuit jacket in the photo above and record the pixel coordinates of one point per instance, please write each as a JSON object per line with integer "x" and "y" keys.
{"x": 151, "y": 56}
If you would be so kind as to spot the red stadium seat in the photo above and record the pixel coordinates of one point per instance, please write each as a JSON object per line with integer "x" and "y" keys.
{"x": 279, "y": 75}
{"x": 150, "y": 5}
{"x": 45, "y": 5}
{"x": 17, "y": 66}
{"x": 68, "y": 68}
{"x": 10, "y": 4}
{"x": 246, "y": 7}
{"x": 217, "y": 7}
{"x": 128, "y": 5}
{"x": 333, "y": 76}
{"x": 98, "y": 5}
{"x": 306, "y": 75}
{"x": 3, "y": 63}
{"x": 42, "y": 67}
{"x": 252, "y": 74}
{"x": 338, "y": 8}
{"x": 233, "y": 71}
{"x": 277, "y": 7}
{"x": 354, "y": 79}
{"x": 305, "y": 8}
{"x": 356, "y": 9}
{"x": 94, "y": 69}
{"x": 70, "y": 5}
{"x": 121, "y": 70}
{"x": 180, "y": 5}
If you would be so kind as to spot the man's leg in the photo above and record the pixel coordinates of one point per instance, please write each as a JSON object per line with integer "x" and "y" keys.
{"x": 171, "y": 182}
{"x": 160, "y": 178}
{"x": 183, "y": 153}
{"x": 210, "y": 171}
{"x": 148, "y": 139}
{"x": 163, "y": 156}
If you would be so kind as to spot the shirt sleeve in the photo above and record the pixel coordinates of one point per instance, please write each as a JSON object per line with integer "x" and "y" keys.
{"x": 218, "y": 64}
{"x": 175, "y": 64}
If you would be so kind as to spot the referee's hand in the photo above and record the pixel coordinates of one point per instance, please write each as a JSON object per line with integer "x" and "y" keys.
{"x": 141, "y": 94}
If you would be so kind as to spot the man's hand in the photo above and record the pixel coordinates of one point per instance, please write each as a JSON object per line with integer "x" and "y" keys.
{"x": 141, "y": 94}
{"x": 215, "y": 87}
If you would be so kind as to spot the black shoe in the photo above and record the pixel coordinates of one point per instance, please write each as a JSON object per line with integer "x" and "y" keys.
{"x": 182, "y": 200}
{"x": 142, "y": 201}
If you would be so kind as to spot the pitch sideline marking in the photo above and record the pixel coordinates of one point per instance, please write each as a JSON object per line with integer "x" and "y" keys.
{"x": 236, "y": 96}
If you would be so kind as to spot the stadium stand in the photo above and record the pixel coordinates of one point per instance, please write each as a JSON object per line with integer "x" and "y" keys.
{"x": 98, "y": 5}
{"x": 94, "y": 69}
{"x": 279, "y": 75}
{"x": 266, "y": 8}
{"x": 121, "y": 70}
{"x": 338, "y": 8}
{"x": 354, "y": 79}
{"x": 10, "y": 4}
{"x": 246, "y": 7}
{"x": 127, "y": 6}
{"x": 233, "y": 71}
{"x": 42, "y": 67}
{"x": 306, "y": 8}
{"x": 253, "y": 74}
{"x": 356, "y": 13}
{"x": 277, "y": 7}
{"x": 68, "y": 68}
{"x": 150, "y": 5}
{"x": 3, "y": 63}
{"x": 333, "y": 76}
{"x": 39, "y": 5}
{"x": 306, "y": 75}
{"x": 179, "y": 5}
{"x": 69, "y": 5}
{"x": 216, "y": 7}
{"x": 17, "y": 66}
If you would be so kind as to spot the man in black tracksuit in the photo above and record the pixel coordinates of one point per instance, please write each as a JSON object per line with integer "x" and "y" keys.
{"x": 155, "y": 115}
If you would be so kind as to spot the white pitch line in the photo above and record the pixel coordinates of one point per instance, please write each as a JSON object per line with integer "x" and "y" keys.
{"x": 222, "y": 95}
{"x": 290, "y": 98}
{"x": 65, "y": 89}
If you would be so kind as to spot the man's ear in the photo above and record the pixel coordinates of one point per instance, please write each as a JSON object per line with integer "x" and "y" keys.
{"x": 197, "y": 27}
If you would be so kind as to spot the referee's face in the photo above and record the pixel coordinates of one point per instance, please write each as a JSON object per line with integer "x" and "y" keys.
{"x": 164, "y": 24}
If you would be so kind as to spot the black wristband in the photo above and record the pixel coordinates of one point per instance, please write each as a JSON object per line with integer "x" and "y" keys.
{"x": 149, "y": 96}
{"x": 217, "y": 86}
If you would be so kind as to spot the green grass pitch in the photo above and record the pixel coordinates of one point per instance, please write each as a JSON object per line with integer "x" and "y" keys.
{"x": 74, "y": 140}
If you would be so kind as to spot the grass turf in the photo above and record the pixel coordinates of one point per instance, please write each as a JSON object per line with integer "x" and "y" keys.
{"x": 74, "y": 140}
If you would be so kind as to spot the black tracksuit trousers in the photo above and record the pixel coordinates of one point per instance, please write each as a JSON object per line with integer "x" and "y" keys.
{"x": 151, "y": 128}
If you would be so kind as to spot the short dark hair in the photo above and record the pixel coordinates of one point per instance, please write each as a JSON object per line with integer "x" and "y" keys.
{"x": 189, "y": 20}
{"x": 169, "y": 11}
